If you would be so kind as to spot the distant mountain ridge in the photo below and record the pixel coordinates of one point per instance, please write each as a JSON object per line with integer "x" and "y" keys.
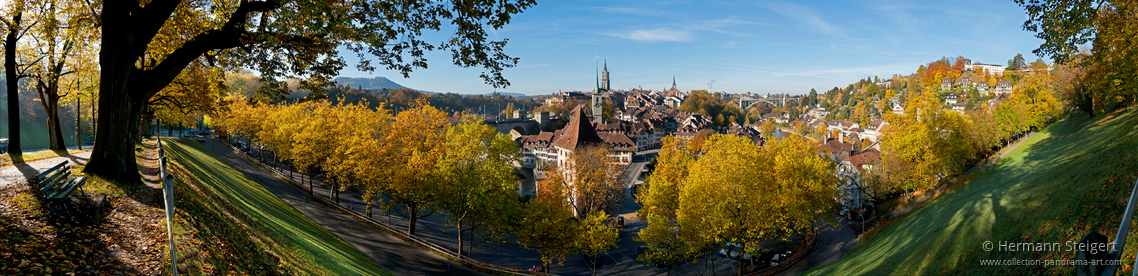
{"x": 372, "y": 83}
{"x": 377, "y": 83}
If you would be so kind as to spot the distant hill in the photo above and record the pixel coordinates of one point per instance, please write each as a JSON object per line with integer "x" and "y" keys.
{"x": 366, "y": 83}
{"x": 515, "y": 95}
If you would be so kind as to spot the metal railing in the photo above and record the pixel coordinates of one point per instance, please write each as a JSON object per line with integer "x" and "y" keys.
{"x": 1120, "y": 237}
{"x": 168, "y": 199}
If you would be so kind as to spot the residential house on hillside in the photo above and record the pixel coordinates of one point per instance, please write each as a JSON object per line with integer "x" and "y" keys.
{"x": 946, "y": 84}
{"x": 951, "y": 98}
{"x": 873, "y": 130}
{"x": 818, "y": 113}
{"x": 964, "y": 82}
{"x": 852, "y": 172}
{"x": 1003, "y": 87}
{"x": 982, "y": 87}
{"x": 959, "y": 106}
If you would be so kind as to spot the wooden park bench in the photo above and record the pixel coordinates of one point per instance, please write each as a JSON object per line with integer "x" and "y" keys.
{"x": 57, "y": 182}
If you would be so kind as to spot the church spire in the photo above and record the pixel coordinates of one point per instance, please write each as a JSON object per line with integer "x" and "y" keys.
{"x": 673, "y": 82}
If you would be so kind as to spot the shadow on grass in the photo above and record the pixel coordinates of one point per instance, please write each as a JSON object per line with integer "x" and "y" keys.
{"x": 274, "y": 217}
{"x": 1066, "y": 180}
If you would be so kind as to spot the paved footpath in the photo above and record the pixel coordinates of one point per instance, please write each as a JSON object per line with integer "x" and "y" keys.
{"x": 391, "y": 253}
{"x": 20, "y": 173}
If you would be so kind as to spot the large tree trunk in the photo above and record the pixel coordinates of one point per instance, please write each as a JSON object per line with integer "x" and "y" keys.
{"x": 48, "y": 87}
{"x": 54, "y": 130}
{"x": 113, "y": 156}
{"x": 13, "y": 82}
{"x": 128, "y": 27}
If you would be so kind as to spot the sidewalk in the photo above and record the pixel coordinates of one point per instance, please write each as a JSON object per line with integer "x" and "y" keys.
{"x": 20, "y": 173}
{"x": 389, "y": 252}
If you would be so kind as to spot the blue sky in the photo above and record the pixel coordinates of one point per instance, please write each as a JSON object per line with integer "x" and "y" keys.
{"x": 744, "y": 46}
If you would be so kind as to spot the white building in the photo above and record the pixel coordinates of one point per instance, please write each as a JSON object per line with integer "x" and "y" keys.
{"x": 995, "y": 70}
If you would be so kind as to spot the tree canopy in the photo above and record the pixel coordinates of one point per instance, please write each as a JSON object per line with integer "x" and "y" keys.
{"x": 146, "y": 45}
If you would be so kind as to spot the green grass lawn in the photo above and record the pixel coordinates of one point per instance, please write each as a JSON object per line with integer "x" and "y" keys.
{"x": 10, "y": 158}
{"x": 267, "y": 230}
{"x": 1068, "y": 179}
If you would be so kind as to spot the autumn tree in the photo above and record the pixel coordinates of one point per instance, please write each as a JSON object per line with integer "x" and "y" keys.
{"x": 146, "y": 45}
{"x": 13, "y": 16}
{"x": 925, "y": 145}
{"x": 820, "y": 132}
{"x": 61, "y": 38}
{"x": 659, "y": 204}
{"x": 592, "y": 181}
{"x": 596, "y": 236}
{"x": 509, "y": 110}
{"x": 1109, "y": 28}
{"x": 477, "y": 190}
{"x": 735, "y": 191}
{"x": 767, "y": 129}
{"x": 197, "y": 91}
{"x": 409, "y": 147}
{"x": 547, "y": 225}
{"x": 607, "y": 111}
{"x": 801, "y": 127}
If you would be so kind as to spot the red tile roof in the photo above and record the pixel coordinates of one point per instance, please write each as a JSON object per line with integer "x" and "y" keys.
{"x": 578, "y": 132}
{"x": 618, "y": 141}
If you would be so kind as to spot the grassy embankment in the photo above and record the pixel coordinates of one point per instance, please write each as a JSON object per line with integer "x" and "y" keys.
{"x": 225, "y": 224}
{"x": 1068, "y": 179}
{"x": 226, "y": 215}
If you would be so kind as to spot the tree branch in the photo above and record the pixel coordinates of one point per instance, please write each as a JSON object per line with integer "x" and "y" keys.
{"x": 231, "y": 35}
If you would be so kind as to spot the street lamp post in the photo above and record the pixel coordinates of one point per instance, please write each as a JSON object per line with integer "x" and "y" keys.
{"x": 78, "y": 132}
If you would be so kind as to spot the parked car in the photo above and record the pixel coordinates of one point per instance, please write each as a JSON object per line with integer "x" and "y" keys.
{"x": 538, "y": 268}
{"x": 730, "y": 250}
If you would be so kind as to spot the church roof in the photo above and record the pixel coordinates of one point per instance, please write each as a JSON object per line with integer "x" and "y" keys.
{"x": 578, "y": 132}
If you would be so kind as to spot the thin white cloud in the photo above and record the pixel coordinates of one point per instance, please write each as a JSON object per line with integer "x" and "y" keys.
{"x": 685, "y": 32}
{"x": 635, "y": 11}
{"x": 802, "y": 14}
{"x": 657, "y": 35}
